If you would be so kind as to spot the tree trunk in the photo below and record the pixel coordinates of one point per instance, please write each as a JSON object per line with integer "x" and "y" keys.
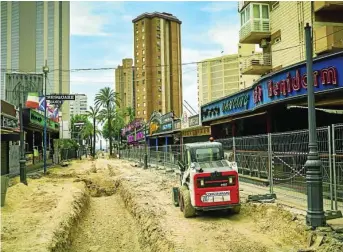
{"x": 109, "y": 129}
{"x": 94, "y": 137}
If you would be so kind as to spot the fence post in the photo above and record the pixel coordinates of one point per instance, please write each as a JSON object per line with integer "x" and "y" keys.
{"x": 270, "y": 163}
{"x": 330, "y": 169}
{"x": 234, "y": 149}
{"x": 334, "y": 165}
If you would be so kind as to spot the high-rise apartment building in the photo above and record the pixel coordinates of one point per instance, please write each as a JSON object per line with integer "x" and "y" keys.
{"x": 124, "y": 84}
{"x": 221, "y": 76}
{"x": 32, "y": 32}
{"x": 79, "y": 105}
{"x": 157, "y": 61}
{"x": 278, "y": 27}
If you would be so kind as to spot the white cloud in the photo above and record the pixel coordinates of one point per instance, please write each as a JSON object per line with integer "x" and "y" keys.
{"x": 84, "y": 22}
{"x": 225, "y": 35}
{"x": 220, "y": 6}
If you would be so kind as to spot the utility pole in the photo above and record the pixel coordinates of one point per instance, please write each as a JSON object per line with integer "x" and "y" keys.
{"x": 145, "y": 147}
{"x": 22, "y": 160}
{"x": 315, "y": 213}
{"x": 45, "y": 71}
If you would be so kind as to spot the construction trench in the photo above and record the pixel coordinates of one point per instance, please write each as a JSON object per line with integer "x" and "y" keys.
{"x": 118, "y": 207}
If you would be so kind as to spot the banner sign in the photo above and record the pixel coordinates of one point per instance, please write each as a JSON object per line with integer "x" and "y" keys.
{"x": 193, "y": 121}
{"x": 177, "y": 124}
{"x": 38, "y": 119}
{"x": 288, "y": 84}
{"x": 203, "y": 131}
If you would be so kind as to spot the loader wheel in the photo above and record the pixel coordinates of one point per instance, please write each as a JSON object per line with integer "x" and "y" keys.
{"x": 188, "y": 209}
{"x": 236, "y": 209}
{"x": 182, "y": 188}
{"x": 175, "y": 196}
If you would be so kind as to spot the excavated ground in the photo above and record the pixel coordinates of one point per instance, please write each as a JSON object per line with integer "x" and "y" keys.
{"x": 126, "y": 208}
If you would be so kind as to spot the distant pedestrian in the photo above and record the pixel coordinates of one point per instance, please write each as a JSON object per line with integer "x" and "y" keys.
{"x": 211, "y": 139}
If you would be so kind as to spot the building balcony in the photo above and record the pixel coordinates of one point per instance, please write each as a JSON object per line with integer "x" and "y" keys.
{"x": 257, "y": 64}
{"x": 254, "y": 30}
{"x": 320, "y": 6}
{"x": 242, "y": 4}
{"x": 328, "y": 39}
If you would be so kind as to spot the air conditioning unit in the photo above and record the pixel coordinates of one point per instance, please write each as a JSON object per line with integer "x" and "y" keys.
{"x": 264, "y": 43}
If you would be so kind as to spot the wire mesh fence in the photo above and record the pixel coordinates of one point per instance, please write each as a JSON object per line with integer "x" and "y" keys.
{"x": 272, "y": 163}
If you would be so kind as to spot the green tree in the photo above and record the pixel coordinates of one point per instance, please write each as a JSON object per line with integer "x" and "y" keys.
{"x": 108, "y": 100}
{"x": 130, "y": 112}
{"x": 93, "y": 114}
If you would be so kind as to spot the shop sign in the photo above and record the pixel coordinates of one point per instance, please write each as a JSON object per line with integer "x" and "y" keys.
{"x": 139, "y": 136}
{"x": 167, "y": 127}
{"x": 177, "y": 125}
{"x": 38, "y": 119}
{"x": 9, "y": 122}
{"x": 169, "y": 117}
{"x": 193, "y": 121}
{"x": 288, "y": 84}
{"x": 203, "y": 131}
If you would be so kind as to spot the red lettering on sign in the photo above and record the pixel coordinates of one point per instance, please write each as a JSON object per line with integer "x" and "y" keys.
{"x": 257, "y": 94}
{"x": 328, "y": 76}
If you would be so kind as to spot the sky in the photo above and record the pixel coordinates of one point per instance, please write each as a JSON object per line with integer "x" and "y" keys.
{"x": 102, "y": 35}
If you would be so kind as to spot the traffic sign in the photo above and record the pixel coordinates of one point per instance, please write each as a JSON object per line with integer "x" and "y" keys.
{"x": 61, "y": 97}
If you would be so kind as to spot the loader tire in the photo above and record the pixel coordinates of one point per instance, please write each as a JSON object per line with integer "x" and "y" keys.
{"x": 175, "y": 202}
{"x": 188, "y": 209}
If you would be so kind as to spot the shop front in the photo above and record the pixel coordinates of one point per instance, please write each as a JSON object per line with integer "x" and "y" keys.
{"x": 278, "y": 102}
{"x": 161, "y": 131}
{"x": 9, "y": 139}
{"x": 34, "y": 135}
{"x": 193, "y": 132}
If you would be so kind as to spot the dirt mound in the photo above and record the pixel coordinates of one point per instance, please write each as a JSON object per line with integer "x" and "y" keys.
{"x": 38, "y": 217}
{"x": 99, "y": 186}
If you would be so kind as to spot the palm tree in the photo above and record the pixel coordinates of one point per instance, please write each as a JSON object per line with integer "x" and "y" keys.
{"x": 108, "y": 100}
{"x": 93, "y": 113}
{"x": 130, "y": 112}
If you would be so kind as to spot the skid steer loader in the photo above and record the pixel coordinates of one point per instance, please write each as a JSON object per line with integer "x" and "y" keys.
{"x": 207, "y": 180}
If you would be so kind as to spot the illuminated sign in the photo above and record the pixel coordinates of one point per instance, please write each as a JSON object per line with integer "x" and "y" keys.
{"x": 290, "y": 83}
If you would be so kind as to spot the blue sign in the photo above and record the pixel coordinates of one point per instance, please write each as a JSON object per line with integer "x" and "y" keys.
{"x": 285, "y": 85}
{"x": 167, "y": 126}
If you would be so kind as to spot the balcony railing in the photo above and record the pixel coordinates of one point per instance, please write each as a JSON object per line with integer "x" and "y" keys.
{"x": 253, "y": 31}
{"x": 257, "y": 64}
{"x": 328, "y": 39}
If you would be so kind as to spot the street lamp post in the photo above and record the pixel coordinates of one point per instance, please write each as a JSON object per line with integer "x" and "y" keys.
{"x": 145, "y": 147}
{"x": 45, "y": 71}
{"x": 22, "y": 160}
{"x": 315, "y": 214}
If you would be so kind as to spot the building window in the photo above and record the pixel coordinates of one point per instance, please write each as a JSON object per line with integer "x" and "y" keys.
{"x": 159, "y": 72}
{"x": 143, "y": 59}
{"x": 158, "y": 57}
{"x": 143, "y": 82}
{"x": 137, "y": 40}
{"x": 144, "y": 97}
{"x": 144, "y": 112}
{"x": 143, "y": 30}
{"x": 138, "y": 105}
{"x": 143, "y": 104}
{"x": 139, "y": 112}
{"x": 143, "y": 74}
{"x": 143, "y": 37}
{"x": 159, "y": 80}
{"x": 142, "y": 22}
{"x": 143, "y": 52}
{"x": 143, "y": 89}
{"x": 143, "y": 67}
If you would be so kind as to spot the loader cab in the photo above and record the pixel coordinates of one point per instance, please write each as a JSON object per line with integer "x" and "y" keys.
{"x": 201, "y": 152}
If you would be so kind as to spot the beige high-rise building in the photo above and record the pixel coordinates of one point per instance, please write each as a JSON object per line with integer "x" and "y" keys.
{"x": 221, "y": 76}
{"x": 32, "y": 32}
{"x": 157, "y": 61}
{"x": 278, "y": 27}
{"x": 124, "y": 84}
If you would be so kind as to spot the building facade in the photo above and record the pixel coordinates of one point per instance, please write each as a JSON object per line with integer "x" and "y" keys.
{"x": 278, "y": 27}
{"x": 32, "y": 33}
{"x": 79, "y": 105}
{"x": 124, "y": 84}
{"x": 221, "y": 76}
{"x": 157, "y": 61}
